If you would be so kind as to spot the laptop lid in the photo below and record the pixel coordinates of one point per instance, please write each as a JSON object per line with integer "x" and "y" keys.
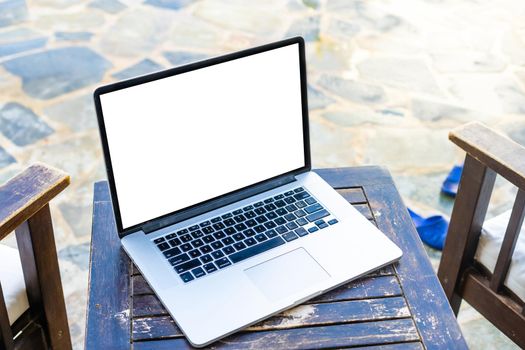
{"x": 187, "y": 140}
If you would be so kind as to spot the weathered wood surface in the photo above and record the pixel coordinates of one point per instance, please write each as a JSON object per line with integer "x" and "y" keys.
{"x": 25, "y": 194}
{"x": 493, "y": 149}
{"x": 375, "y": 311}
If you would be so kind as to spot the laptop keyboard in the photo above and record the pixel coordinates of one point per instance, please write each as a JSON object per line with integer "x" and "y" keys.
{"x": 215, "y": 244}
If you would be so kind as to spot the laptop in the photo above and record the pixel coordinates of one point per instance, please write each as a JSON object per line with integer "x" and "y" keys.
{"x": 214, "y": 199}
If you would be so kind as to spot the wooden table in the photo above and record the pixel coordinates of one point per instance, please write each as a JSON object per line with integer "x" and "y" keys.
{"x": 401, "y": 306}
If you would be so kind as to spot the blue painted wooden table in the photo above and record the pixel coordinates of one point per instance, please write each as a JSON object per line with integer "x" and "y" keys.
{"x": 401, "y": 306}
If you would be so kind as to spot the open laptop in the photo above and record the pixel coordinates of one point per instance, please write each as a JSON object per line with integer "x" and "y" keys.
{"x": 214, "y": 198}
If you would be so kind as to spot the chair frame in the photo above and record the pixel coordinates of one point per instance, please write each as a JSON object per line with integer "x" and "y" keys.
{"x": 488, "y": 153}
{"x": 24, "y": 208}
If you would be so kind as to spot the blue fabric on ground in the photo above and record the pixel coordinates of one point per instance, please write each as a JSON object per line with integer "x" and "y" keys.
{"x": 451, "y": 183}
{"x": 432, "y": 230}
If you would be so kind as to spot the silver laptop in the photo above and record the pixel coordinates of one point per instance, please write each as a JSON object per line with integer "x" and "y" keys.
{"x": 214, "y": 198}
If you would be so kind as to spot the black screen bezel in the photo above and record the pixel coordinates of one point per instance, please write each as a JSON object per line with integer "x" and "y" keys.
{"x": 227, "y": 198}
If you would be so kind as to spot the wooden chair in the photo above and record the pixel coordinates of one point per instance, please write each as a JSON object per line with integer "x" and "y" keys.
{"x": 461, "y": 275}
{"x": 24, "y": 208}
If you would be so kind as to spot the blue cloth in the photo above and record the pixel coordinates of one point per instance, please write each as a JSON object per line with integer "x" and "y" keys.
{"x": 451, "y": 183}
{"x": 432, "y": 230}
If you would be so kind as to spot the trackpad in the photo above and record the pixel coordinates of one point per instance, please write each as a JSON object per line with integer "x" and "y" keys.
{"x": 286, "y": 274}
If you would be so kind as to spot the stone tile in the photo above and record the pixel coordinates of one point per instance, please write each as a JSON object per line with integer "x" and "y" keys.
{"x": 77, "y": 254}
{"x": 411, "y": 74}
{"x": 143, "y": 67}
{"x": 513, "y": 46}
{"x": 136, "y": 32}
{"x": 512, "y": 98}
{"x": 353, "y": 90}
{"x": 73, "y": 36}
{"x": 360, "y": 116}
{"x": 329, "y": 56}
{"x": 20, "y": 40}
{"x": 342, "y": 30}
{"x": 317, "y": 99}
{"x": 193, "y": 32}
{"x": 21, "y": 125}
{"x": 55, "y": 72}
{"x": 331, "y": 146}
{"x": 169, "y": 4}
{"x": 307, "y": 27}
{"x": 78, "y": 216}
{"x": 109, "y": 6}
{"x": 435, "y": 111}
{"x": 180, "y": 58}
{"x": 58, "y": 4}
{"x": 77, "y": 113}
{"x": 312, "y": 3}
{"x": 5, "y": 159}
{"x": 468, "y": 62}
{"x": 70, "y": 21}
{"x": 12, "y": 12}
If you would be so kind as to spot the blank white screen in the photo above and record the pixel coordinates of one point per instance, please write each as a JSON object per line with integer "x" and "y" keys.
{"x": 182, "y": 140}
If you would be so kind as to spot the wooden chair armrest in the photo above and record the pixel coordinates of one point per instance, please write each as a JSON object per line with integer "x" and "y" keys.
{"x": 25, "y": 194}
{"x": 493, "y": 149}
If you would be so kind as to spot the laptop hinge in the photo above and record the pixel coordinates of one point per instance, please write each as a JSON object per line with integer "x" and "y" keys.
{"x": 216, "y": 203}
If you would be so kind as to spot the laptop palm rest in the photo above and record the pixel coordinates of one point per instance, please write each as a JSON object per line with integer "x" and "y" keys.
{"x": 286, "y": 274}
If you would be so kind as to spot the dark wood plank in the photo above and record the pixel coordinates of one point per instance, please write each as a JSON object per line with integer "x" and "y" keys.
{"x": 468, "y": 214}
{"x": 336, "y": 336}
{"x": 365, "y": 210}
{"x": 353, "y": 195}
{"x": 476, "y": 291}
{"x": 341, "y": 178}
{"x": 108, "y": 313}
{"x": 509, "y": 242}
{"x": 6, "y": 335}
{"x": 36, "y": 245}
{"x": 25, "y": 194}
{"x": 431, "y": 311}
{"x": 302, "y": 316}
{"x": 493, "y": 149}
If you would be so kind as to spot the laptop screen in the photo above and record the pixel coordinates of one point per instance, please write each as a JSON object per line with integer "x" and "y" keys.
{"x": 191, "y": 137}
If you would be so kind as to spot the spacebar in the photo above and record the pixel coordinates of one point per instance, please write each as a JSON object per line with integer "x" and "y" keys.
{"x": 256, "y": 249}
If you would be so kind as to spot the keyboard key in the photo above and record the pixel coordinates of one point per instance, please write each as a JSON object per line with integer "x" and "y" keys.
{"x": 239, "y": 245}
{"x": 182, "y": 232}
{"x": 249, "y": 207}
{"x": 238, "y": 237}
{"x": 271, "y": 233}
{"x": 301, "y": 195}
{"x": 222, "y": 263}
{"x": 269, "y": 207}
{"x": 227, "y": 216}
{"x": 230, "y": 231}
{"x": 281, "y": 211}
{"x": 239, "y": 218}
{"x": 250, "y": 241}
{"x": 218, "y": 226}
{"x": 310, "y": 200}
{"x": 256, "y": 249}
{"x": 289, "y": 193}
{"x": 299, "y": 213}
{"x": 219, "y": 235}
{"x": 290, "y": 208}
{"x": 333, "y": 222}
{"x": 313, "y": 229}
{"x": 175, "y": 242}
{"x": 194, "y": 227}
{"x": 186, "y": 277}
{"x": 259, "y": 229}
{"x": 261, "y": 211}
{"x": 261, "y": 237}
{"x": 186, "y": 238}
{"x": 208, "y": 239}
{"x": 207, "y": 230}
{"x": 280, "y": 221}
{"x": 270, "y": 225}
{"x": 172, "y": 252}
{"x": 281, "y": 229}
{"x": 268, "y": 200}
{"x": 290, "y": 217}
{"x": 291, "y": 225}
{"x": 206, "y": 258}
{"x": 228, "y": 250}
{"x": 319, "y": 222}
{"x": 186, "y": 247}
{"x": 206, "y": 249}
{"x": 229, "y": 222}
{"x": 215, "y": 220}
{"x": 198, "y": 272}
{"x": 271, "y": 215}
{"x": 323, "y": 225}
{"x": 261, "y": 218}
{"x": 301, "y": 232}
{"x": 210, "y": 268}
{"x": 179, "y": 259}
{"x": 290, "y": 200}
{"x": 158, "y": 240}
{"x": 301, "y": 222}
{"x": 217, "y": 245}
{"x": 250, "y": 214}
{"x": 217, "y": 254}
{"x": 249, "y": 232}
{"x": 317, "y": 215}
{"x": 188, "y": 265}
{"x": 171, "y": 236}
{"x": 299, "y": 189}
{"x": 163, "y": 246}
{"x": 279, "y": 196}
{"x": 228, "y": 241}
{"x": 280, "y": 204}
{"x": 197, "y": 234}
{"x": 258, "y": 204}
{"x": 197, "y": 243}
{"x": 300, "y": 204}
{"x": 195, "y": 253}
{"x": 290, "y": 236}
{"x": 251, "y": 223}
{"x": 241, "y": 227}
{"x": 237, "y": 212}
{"x": 205, "y": 223}
{"x": 313, "y": 208}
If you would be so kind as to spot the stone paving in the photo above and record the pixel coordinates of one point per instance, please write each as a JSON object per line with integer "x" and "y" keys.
{"x": 387, "y": 81}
